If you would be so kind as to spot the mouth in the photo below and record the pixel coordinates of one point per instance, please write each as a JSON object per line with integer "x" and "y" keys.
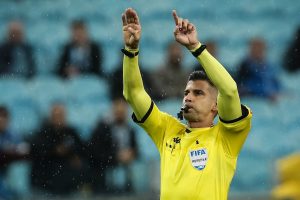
{"x": 185, "y": 108}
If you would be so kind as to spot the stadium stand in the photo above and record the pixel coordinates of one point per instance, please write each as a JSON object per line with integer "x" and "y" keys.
{"x": 231, "y": 24}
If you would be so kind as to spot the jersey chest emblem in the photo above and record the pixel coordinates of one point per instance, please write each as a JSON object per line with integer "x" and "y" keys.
{"x": 198, "y": 158}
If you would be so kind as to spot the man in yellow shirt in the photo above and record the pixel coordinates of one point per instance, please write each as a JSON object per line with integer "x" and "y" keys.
{"x": 198, "y": 160}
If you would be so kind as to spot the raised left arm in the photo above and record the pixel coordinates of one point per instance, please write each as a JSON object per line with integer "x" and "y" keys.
{"x": 229, "y": 107}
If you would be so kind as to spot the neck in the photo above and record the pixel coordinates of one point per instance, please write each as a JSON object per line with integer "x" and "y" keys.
{"x": 200, "y": 124}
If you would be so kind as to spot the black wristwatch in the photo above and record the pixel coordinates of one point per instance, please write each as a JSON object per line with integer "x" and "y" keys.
{"x": 199, "y": 50}
{"x": 129, "y": 54}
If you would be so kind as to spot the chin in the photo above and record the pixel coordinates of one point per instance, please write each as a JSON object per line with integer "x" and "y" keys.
{"x": 189, "y": 117}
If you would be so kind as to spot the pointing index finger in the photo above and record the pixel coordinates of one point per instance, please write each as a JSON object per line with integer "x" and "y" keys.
{"x": 175, "y": 16}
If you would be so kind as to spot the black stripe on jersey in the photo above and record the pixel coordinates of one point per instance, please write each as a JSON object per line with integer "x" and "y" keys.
{"x": 245, "y": 113}
{"x": 188, "y": 131}
{"x": 146, "y": 115}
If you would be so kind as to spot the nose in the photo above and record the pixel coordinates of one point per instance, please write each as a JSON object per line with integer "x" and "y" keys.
{"x": 188, "y": 98}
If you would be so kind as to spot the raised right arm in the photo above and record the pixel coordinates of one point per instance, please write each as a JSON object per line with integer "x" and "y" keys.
{"x": 133, "y": 88}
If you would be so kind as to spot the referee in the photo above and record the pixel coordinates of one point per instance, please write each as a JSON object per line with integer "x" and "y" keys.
{"x": 198, "y": 160}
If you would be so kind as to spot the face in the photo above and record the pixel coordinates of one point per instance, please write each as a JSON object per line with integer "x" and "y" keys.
{"x": 15, "y": 32}
{"x": 175, "y": 54}
{"x": 120, "y": 111}
{"x": 200, "y": 98}
{"x": 58, "y": 115}
{"x": 3, "y": 122}
{"x": 80, "y": 35}
{"x": 257, "y": 49}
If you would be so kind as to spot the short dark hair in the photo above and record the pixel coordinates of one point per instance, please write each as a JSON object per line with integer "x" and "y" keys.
{"x": 200, "y": 75}
{"x": 4, "y": 112}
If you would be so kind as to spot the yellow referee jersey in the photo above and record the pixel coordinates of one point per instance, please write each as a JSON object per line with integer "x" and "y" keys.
{"x": 196, "y": 163}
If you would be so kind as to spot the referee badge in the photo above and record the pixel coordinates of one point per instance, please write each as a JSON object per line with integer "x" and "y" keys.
{"x": 199, "y": 158}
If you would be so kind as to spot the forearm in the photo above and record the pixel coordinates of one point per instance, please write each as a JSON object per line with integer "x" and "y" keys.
{"x": 228, "y": 99}
{"x": 217, "y": 73}
{"x": 133, "y": 88}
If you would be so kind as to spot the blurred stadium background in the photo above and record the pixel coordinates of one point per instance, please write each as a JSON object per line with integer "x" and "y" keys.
{"x": 276, "y": 126}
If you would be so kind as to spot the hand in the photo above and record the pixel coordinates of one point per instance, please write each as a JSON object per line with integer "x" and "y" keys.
{"x": 131, "y": 28}
{"x": 125, "y": 156}
{"x": 185, "y": 32}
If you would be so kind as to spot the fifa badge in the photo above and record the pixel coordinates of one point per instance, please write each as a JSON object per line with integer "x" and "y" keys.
{"x": 199, "y": 158}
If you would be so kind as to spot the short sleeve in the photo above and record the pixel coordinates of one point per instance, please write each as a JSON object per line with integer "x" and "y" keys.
{"x": 154, "y": 123}
{"x": 235, "y": 132}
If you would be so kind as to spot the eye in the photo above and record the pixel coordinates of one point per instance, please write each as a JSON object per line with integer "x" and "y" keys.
{"x": 199, "y": 92}
{"x": 186, "y": 93}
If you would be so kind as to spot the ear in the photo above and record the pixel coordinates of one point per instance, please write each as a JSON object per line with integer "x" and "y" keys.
{"x": 215, "y": 108}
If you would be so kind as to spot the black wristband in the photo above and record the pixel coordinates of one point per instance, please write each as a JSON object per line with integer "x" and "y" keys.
{"x": 199, "y": 50}
{"x": 130, "y": 54}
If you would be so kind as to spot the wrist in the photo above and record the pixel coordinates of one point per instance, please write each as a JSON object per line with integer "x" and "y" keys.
{"x": 193, "y": 47}
{"x": 133, "y": 46}
{"x": 131, "y": 53}
{"x": 198, "y": 50}
{"x": 131, "y": 49}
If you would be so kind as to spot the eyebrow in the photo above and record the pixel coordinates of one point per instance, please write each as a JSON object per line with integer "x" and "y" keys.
{"x": 198, "y": 90}
{"x": 194, "y": 90}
